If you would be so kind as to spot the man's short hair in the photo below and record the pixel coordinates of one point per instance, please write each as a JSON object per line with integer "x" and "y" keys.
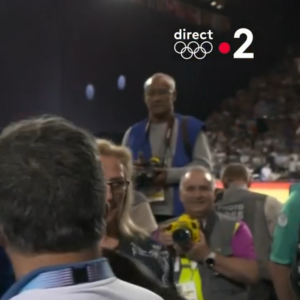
{"x": 167, "y": 77}
{"x": 52, "y": 191}
{"x": 235, "y": 172}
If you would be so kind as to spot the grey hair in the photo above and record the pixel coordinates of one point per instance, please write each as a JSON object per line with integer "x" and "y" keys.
{"x": 169, "y": 78}
{"x": 198, "y": 169}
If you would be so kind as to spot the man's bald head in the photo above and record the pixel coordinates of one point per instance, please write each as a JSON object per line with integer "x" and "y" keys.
{"x": 169, "y": 80}
{"x": 197, "y": 192}
{"x": 198, "y": 170}
{"x": 160, "y": 95}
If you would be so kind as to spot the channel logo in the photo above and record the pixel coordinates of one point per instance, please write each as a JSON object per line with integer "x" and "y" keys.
{"x": 187, "y": 49}
{"x": 198, "y": 45}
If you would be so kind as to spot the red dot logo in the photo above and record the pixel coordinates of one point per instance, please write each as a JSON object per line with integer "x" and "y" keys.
{"x": 224, "y": 48}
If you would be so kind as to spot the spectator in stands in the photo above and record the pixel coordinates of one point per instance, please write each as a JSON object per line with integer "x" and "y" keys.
{"x": 259, "y": 212}
{"x": 122, "y": 233}
{"x": 175, "y": 140}
{"x": 258, "y": 121}
{"x": 52, "y": 208}
{"x": 222, "y": 263}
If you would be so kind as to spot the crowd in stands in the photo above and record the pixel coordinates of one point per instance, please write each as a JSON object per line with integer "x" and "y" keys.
{"x": 260, "y": 125}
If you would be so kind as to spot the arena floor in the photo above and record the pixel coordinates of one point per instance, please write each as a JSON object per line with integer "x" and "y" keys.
{"x": 279, "y": 190}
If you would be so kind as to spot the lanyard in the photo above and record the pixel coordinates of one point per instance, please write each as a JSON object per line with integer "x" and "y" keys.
{"x": 168, "y": 135}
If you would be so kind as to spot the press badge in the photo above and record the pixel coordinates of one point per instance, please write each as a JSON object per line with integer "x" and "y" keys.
{"x": 187, "y": 290}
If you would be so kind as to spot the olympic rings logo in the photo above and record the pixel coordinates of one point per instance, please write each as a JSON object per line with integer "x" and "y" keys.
{"x": 198, "y": 51}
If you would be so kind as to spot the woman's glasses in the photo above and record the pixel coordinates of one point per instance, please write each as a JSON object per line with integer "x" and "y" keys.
{"x": 118, "y": 186}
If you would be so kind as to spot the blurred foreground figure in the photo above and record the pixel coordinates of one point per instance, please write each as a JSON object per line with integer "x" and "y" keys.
{"x": 285, "y": 255}
{"x": 52, "y": 210}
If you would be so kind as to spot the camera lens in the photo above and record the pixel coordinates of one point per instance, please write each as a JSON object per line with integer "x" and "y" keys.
{"x": 182, "y": 235}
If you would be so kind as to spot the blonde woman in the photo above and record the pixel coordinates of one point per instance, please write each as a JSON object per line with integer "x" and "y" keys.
{"x": 122, "y": 233}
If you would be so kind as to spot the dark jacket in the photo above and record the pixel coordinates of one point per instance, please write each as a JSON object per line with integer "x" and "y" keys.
{"x": 135, "y": 272}
{"x": 6, "y": 272}
{"x": 151, "y": 254}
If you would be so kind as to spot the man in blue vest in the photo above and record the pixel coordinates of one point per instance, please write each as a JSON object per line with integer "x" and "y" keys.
{"x": 173, "y": 140}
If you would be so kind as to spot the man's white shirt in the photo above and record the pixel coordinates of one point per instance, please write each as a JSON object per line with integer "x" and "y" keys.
{"x": 108, "y": 289}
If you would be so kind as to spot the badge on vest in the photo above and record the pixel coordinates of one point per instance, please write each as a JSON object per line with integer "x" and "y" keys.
{"x": 282, "y": 220}
{"x": 187, "y": 290}
{"x": 157, "y": 196}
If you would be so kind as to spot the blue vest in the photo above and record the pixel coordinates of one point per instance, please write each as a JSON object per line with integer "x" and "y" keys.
{"x": 138, "y": 143}
{"x": 7, "y": 277}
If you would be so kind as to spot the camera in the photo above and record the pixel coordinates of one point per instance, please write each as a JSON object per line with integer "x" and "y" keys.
{"x": 184, "y": 230}
{"x": 144, "y": 179}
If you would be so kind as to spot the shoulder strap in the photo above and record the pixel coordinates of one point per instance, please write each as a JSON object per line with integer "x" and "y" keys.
{"x": 185, "y": 137}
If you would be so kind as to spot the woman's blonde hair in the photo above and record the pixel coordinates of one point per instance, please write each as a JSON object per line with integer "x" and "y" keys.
{"x": 125, "y": 223}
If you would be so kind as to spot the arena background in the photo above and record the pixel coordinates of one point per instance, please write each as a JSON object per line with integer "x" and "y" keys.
{"x": 51, "y": 50}
{"x": 279, "y": 190}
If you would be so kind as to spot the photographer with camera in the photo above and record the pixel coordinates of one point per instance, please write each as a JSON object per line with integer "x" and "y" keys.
{"x": 260, "y": 212}
{"x": 216, "y": 258}
{"x": 163, "y": 145}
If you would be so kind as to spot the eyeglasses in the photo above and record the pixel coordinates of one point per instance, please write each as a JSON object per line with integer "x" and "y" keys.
{"x": 158, "y": 92}
{"x": 118, "y": 186}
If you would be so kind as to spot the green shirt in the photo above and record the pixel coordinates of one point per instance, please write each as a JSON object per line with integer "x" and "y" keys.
{"x": 286, "y": 234}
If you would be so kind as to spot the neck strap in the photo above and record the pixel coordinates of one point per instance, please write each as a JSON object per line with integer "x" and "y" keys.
{"x": 168, "y": 133}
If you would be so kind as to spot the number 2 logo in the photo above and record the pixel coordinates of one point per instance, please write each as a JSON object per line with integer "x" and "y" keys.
{"x": 240, "y": 53}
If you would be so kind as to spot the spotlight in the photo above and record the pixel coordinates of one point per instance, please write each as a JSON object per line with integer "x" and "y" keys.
{"x": 90, "y": 92}
{"x": 121, "y": 82}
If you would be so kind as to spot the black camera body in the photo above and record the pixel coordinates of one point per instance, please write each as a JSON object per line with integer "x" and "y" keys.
{"x": 144, "y": 179}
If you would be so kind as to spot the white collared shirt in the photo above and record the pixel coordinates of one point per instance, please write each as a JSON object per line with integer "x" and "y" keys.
{"x": 108, "y": 289}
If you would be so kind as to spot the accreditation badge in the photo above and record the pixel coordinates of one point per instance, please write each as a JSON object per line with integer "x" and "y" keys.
{"x": 187, "y": 290}
{"x": 282, "y": 220}
{"x": 157, "y": 196}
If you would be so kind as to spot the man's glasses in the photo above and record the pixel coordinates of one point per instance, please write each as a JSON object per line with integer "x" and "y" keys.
{"x": 159, "y": 92}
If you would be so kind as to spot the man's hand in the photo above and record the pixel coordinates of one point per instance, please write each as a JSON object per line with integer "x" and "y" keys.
{"x": 199, "y": 251}
{"x": 139, "y": 165}
{"x": 163, "y": 237}
{"x": 160, "y": 178}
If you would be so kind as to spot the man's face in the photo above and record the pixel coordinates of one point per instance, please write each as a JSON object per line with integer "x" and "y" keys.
{"x": 159, "y": 96}
{"x": 115, "y": 182}
{"x": 197, "y": 194}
